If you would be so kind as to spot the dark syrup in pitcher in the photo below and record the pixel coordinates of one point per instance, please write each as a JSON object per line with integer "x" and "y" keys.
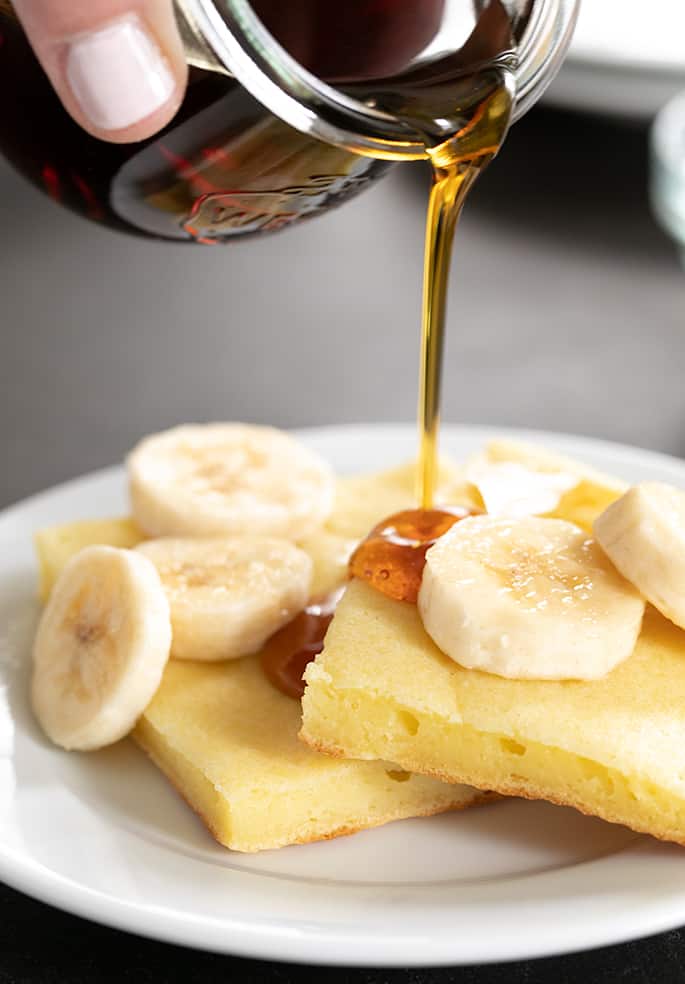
{"x": 224, "y": 167}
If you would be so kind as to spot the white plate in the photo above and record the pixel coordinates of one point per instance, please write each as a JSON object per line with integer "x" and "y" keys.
{"x": 627, "y": 57}
{"x": 104, "y": 836}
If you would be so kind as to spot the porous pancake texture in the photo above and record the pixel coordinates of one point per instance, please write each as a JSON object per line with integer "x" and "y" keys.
{"x": 614, "y": 747}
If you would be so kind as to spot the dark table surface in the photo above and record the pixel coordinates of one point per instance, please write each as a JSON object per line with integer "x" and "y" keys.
{"x": 567, "y": 312}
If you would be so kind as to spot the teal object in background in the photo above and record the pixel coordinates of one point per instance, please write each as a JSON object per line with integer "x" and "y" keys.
{"x": 667, "y": 176}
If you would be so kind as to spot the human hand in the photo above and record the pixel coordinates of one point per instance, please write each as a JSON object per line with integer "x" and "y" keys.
{"x": 117, "y": 65}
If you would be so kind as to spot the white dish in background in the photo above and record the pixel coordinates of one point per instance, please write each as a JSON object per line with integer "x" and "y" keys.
{"x": 627, "y": 57}
{"x": 104, "y": 836}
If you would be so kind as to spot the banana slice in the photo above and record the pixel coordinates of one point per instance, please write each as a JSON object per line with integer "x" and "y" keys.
{"x": 101, "y": 648}
{"x": 228, "y": 595}
{"x": 528, "y": 598}
{"x": 643, "y": 534}
{"x": 510, "y": 489}
{"x": 228, "y": 479}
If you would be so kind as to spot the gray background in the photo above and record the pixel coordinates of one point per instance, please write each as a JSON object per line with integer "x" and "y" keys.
{"x": 566, "y": 312}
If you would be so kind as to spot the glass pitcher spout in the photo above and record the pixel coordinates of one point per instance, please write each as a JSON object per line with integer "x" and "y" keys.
{"x": 527, "y": 37}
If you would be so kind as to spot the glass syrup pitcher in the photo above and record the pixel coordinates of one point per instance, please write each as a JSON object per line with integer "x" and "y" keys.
{"x": 291, "y": 108}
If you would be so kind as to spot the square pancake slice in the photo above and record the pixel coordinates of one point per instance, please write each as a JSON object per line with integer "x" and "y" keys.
{"x": 614, "y": 747}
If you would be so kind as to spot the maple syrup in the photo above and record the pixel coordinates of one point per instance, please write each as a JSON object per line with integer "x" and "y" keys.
{"x": 224, "y": 168}
{"x": 393, "y": 555}
{"x": 456, "y": 165}
{"x": 391, "y": 559}
{"x": 290, "y": 650}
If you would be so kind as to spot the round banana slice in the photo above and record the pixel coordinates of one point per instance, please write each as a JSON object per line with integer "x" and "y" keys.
{"x": 101, "y": 648}
{"x": 643, "y": 534}
{"x": 528, "y": 598}
{"x": 228, "y": 479}
{"x": 228, "y": 595}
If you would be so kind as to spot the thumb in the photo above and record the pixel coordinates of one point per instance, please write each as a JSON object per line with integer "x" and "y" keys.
{"x": 117, "y": 65}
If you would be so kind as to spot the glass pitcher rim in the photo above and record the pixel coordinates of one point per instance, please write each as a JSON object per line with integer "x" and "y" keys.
{"x": 240, "y": 42}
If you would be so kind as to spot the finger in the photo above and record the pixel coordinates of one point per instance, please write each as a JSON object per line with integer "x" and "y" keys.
{"x": 117, "y": 65}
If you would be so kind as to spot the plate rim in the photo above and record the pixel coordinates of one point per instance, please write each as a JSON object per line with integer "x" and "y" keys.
{"x": 26, "y": 875}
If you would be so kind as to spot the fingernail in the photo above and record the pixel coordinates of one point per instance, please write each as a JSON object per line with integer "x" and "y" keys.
{"x": 118, "y": 74}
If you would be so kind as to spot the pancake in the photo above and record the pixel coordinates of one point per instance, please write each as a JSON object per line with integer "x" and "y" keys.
{"x": 613, "y": 748}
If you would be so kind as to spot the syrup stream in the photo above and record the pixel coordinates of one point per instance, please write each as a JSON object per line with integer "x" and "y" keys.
{"x": 456, "y": 165}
